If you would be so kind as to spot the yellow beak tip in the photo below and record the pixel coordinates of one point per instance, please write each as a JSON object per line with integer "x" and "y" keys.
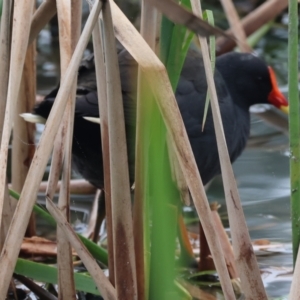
{"x": 285, "y": 109}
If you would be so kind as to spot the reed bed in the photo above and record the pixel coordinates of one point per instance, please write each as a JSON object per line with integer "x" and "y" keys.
{"x": 141, "y": 240}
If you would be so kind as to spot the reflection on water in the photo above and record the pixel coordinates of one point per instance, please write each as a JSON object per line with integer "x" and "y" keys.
{"x": 263, "y": 181}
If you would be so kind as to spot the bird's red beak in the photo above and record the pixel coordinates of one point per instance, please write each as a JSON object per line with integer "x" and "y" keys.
{"x": 276, "y": 97}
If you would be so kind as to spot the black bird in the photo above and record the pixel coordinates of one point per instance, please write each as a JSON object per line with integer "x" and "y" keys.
{"x": 241, "y": 81}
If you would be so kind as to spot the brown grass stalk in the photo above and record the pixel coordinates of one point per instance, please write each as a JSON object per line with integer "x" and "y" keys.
{"x": 225, "y": 243}
{"x": 158, "y": 80}
{"x": 235, "y": 25}
{"x": 45, "y": 12}
{"x": 93, "y": 216}
{"x": 69, "y": 20}
{"x": 105, "y": 287}
{"x": 179, "y": 15}
{"x": 103, "y": 113}
{"x": 295, "y": 286}
{"x": 178, "y": 175}
{"x": 124, "y": 254}
{"x": 20, "y": 32}
{"x": 148, "y": 31}
{"x": 196, "y": 7}
{"x": 38, "y": 290}
{"x": 17, "y": 228}
{"x": 23, "y": 146}
{"x": 249, "y": 272}
{"x": 253, "y": 21}
{"x": 77, "y": 186}
{"x": 8, "y": 211}
{"x": 5, "y": 36}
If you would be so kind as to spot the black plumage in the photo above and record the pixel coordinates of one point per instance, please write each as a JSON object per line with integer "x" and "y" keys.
{"x": 241, "y": 81}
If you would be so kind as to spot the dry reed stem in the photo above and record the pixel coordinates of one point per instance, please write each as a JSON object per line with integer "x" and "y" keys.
{"x": 249, "y": 272}
{"x": 179, "y": 15}
{"x": 5, "y": 36}
{"x": 8, "y": 211}
{"x": 224, "y": 276}
{"x": 103, "y": 113}
{"x": 17, "y": 228}
{"x": 295, "y": 286}
{"x": 148, "y": 31}
{"x": 158, "y": 79}
{"x": 178, "y": 175}
{"x": 105, "y": 287}
{"x": 68, "y": 13}
{"x": 37, "y": 290}
{"x": 64, "y": 21}
{"x": 23, "y": 133}
{"x": 253, "y": 21}
{"x": 124, "y": 254}
{"x": 45, "y": 12}
{"x": 77, "y": 186}
{"x": 23, "y": 146}
{"x": 236, "y": 26}
{"x": 226, "y": 246}
{"x": 93, "y": 216}
{"x": 20, "y": 32}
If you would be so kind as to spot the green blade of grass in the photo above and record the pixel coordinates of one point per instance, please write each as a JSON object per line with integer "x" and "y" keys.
{"x": 175, "y": 42}
{"x": 164, "y": 197}
{"x": 164, "y": 214}
{"x": 48, "y": 274}
{"x": 294, "y": 124}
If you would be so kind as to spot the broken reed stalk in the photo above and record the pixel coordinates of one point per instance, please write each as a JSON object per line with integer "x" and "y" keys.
{"x": 23, "y": 145}
{"x": 253, "y": 21}
{"x": 17, "y": 228}
{"x": 196, "y": 7}
{"x": 105, "y": 287}
{"x": 65, "y": 32}
{"x": 103, "y": 113}
{"x": 8, "y": 211}
{"x": 226, "y": 245}
{"x": 5, "y": 36}
{"x": 157, "y": 78}
{"x": 236, "y": 26}
{"x": 295, "y": 286}
{"x": 140, "y": 220}
{"x": 180, "y": 15}
{"x": 69, "y": 21}
{"x": 45, "y": 12}
{"x": 20, "y": 33}
{"x": 35, "y": 288}
{"x": 93, "y": 216}
{"x": 77, "y": 186}
{"x": 248, "y": 269}
{"x": 124, "y": 254}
